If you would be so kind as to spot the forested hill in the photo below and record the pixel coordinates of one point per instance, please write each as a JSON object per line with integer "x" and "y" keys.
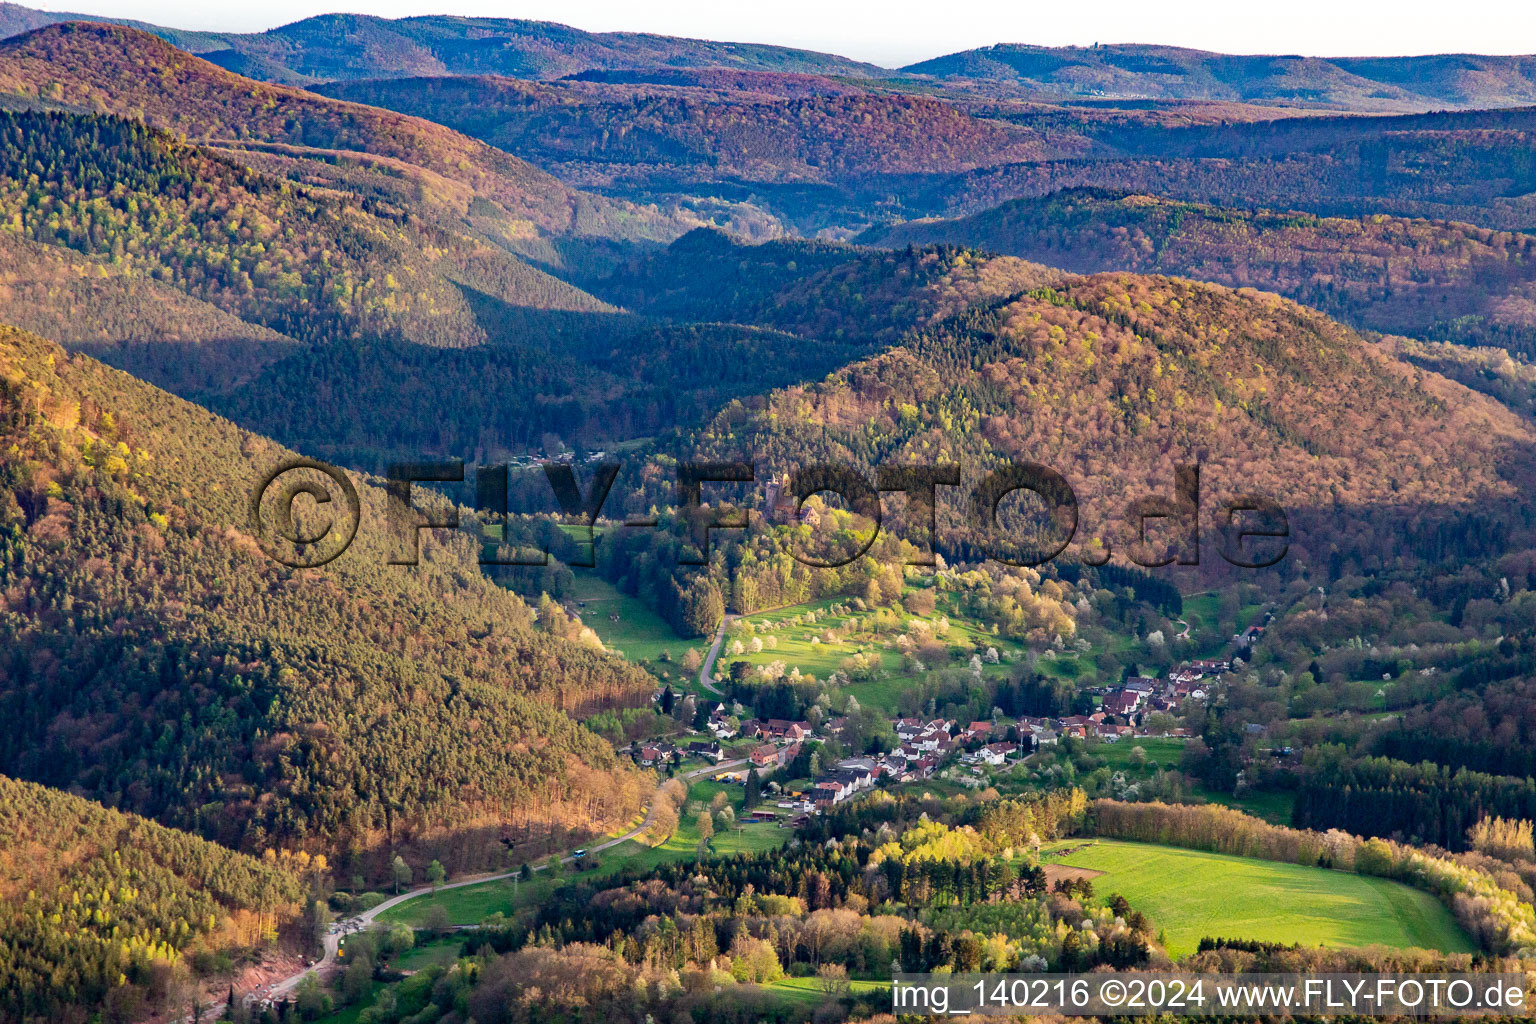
{"x": 1474, "y": 166}
{"x": 653, "y": 130}
{"x": 153, "y": 658}
{"x": 229, "y": 284}
{"x": 306, "y": 261}
{"x": 1113, "y": 379}
{"x": 133, "y": 321}
{"x": 254, "y": 296}
{"x": 94, "y": 66}
{"x": 1436, "y": 280}
{"x": 821, "y": 290}
{"x": 336, "y": 46}
{"x": 104, "y": 909}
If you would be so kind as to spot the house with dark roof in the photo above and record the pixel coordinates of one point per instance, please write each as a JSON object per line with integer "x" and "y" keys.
{"x": 1123, "y": 703}
{"x": 710, "y": 750}
{"x": 779, "y": 729}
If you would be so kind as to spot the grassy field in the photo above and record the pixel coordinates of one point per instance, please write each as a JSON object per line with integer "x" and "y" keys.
{"x": 440, "y": 951}
{"x": 1190, "y": 894}
{"x": 808, "y": 991}
{"x": 640, "y": 634}
{"x": 1161, "y": 753}
{"x": 1202, "y": 612}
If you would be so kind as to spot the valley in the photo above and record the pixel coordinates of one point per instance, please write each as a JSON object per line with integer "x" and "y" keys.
{"x": 1053, "y": 509}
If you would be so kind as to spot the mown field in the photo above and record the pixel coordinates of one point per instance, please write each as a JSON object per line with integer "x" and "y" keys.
{"x": 1190, "y": 894}
{"x": 1161, "y": 752}
{"x": 809, "y": 992}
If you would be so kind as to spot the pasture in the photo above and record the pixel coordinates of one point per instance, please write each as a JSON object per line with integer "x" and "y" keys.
{"x": 1190, "y": 894}
{"x": 639, "y": 633}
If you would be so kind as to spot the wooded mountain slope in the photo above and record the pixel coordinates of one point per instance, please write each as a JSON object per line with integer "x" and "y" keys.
{"x": 155, "y": 659}
{"x": 102, "y": 909}
{"x": 826, "y": 291}
{"x": 102, "y": 67}
{"x": 832, "y": 160}
{"x": 646, "y": 131}
{"x": 763, "y": 153}
{"x": 306, "y": 262}
{"x": 555, "y": 381}
{"x": 1482, "y": 368}
{"x": 147, "y": 252}
{"x": 1113, "y": 379}
{"x": 201, "y": 274}
{"x": 1429, "y": 279}
{"x": 131, "y": 320}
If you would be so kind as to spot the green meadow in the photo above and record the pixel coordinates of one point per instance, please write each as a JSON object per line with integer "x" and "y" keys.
{"x": 639, "y": 633}
{"x": 1190, "y": 894}
{"x": 1162, "y": 752}
{"x": 809, "y": 992}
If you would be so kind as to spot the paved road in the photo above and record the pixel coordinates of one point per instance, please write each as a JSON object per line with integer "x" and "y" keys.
{"x": 705, "y": 679}
{"x": 359, "y": 922}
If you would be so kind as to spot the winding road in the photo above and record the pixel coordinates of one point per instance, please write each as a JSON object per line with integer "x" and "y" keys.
{"x": 278, "y": 990}
{"x": 705, "y": 679}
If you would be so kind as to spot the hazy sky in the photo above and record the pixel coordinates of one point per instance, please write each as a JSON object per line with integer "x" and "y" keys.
{"x": 903, "y": 31}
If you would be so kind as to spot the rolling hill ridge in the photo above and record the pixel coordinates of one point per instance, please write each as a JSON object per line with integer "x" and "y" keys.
{"x": 1473, "y": 166}
{"x": 95, "y": 66}
{"x": 339, "y": 47}
{"x": 1137, "y": 71}
{"x": 1113, "y": 379}
{"x": 1429, "y": 279}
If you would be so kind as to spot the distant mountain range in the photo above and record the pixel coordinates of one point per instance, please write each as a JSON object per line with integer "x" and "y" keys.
{"x": 1386, "y": 84}
{"x": 334, "y": 47}
{"x": 342, "y": 46}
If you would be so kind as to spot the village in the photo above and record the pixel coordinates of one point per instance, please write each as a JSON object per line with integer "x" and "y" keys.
{"x": 925, "y": 746}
